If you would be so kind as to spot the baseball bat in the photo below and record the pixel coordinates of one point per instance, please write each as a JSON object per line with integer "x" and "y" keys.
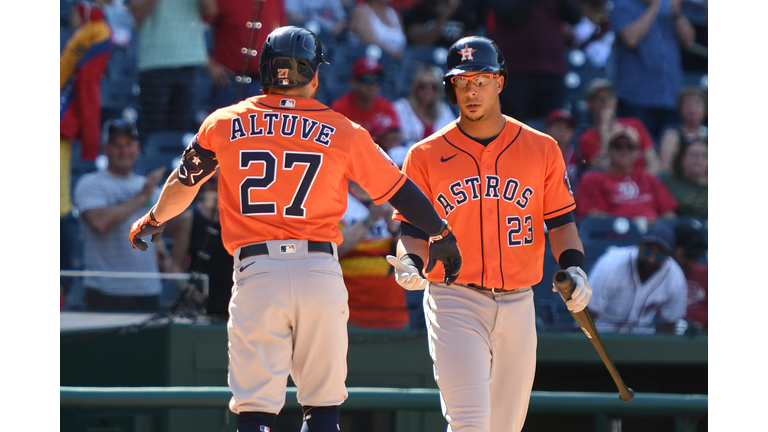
{"x": 565, "y": 285}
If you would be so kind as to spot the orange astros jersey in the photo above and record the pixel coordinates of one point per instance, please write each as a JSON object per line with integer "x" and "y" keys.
{"x": 283, "y": 168}
{"x": 496, "y": 198}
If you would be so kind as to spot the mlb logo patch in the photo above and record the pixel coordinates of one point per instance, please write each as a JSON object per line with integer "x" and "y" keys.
{"x": 567, "y": 182}
{"x": 284, "y": 82}
{"x": 289, "y": 103}
{"x": 264, "y": 429}
{"x": 287, "y": 249}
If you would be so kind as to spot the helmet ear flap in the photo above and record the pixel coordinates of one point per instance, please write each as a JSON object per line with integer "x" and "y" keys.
{"x": 449, "y": 91}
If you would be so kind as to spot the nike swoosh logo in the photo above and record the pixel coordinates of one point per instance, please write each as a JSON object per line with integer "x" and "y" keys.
{"x": 245, "y": 266}
{"x": 442, "y": 159}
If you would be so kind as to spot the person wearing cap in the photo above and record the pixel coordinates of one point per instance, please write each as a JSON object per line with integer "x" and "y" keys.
{"x": 363, "y": 103}
{"x": 561, "y": 125}
{"x": 622, "y": 190}
{"x": 108, "y": 201}
{"x": 593, "y": 142}
{"x": 691, "y": 248}
{"x": 632, "y": 285}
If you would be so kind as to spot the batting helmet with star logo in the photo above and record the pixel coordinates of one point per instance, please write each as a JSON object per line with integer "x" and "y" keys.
{"x": 472, "y": 54}
{"x": 290, "y": 57}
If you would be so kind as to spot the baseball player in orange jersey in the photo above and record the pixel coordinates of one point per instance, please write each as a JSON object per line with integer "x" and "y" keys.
{"x": 498, "y": 182}
{"x": 283, "y": 161}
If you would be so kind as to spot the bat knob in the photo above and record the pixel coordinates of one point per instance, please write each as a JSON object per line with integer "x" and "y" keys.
{"x": 562, "y": 276}
{"x": 628, "y": 396}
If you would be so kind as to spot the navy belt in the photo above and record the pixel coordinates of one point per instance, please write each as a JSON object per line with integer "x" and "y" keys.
{"x": 493, "y": 290}
{"x": 262, "y": 249}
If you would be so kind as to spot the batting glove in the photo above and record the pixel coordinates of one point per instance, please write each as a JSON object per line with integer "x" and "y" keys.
{"x": 443, "y": 248}
{"x": 582, "y": 292}
{"x": 407, "y": 276}
{"x": 143, "y": 227}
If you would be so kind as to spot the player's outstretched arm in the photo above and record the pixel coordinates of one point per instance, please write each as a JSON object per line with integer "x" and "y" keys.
{"x": 416, "y": 208}
{"x": 174, "y": 199}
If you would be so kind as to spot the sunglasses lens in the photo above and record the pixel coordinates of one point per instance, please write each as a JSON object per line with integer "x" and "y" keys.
{"x": 479, "y": 80}
{"x": 482, "y": 79}
{"x": 459, "y": 81}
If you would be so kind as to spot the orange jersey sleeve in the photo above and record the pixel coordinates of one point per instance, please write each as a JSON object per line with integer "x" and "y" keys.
{"x": 283, "y": 168}
{"x": 495, "y": 197}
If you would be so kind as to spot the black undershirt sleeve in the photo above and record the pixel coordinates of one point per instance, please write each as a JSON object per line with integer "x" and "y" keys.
{"x": 410, "y": 230}
{"x": 416, "y": 208}
{"x": 561, "y": 220}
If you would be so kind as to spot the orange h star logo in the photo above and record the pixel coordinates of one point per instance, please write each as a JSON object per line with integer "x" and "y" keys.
{"x": 466, "y": 53}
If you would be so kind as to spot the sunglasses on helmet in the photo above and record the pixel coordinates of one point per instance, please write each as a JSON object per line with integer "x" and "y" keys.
{"x": 479, "y": 80}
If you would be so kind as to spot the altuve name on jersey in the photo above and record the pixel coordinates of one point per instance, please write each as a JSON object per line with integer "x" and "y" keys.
{"x": 286, "y": 124}
{"x": 471, "y": 188}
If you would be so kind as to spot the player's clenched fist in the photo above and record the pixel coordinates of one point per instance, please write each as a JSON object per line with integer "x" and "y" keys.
{"x": 443, "y": 248}
{"x": 407, "y": 276}
{"x": 143, "y": 227}
{"x": 582, "y": 292}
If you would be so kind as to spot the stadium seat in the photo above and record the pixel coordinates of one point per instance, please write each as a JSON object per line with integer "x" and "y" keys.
{"x": 580, "y": 73}
{"x": 551, "y": 312}
{"x": 598, "y": 234}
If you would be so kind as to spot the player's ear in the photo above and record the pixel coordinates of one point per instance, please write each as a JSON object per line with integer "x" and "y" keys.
{"x": 316, "y": 79}
{"x": 500, "y": 83}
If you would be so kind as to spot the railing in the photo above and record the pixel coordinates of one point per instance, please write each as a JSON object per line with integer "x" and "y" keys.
{"x": 192, "y": 276}
{"x": 681, "y": 406}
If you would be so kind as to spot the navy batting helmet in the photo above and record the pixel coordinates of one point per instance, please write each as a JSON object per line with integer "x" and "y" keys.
{"x": 290, "y": 57}
{"x": 472, "y": 54}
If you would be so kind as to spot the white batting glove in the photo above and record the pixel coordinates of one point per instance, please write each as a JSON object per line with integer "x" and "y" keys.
{"x": 582, "y": 292}
{"x": 407, "y": 276}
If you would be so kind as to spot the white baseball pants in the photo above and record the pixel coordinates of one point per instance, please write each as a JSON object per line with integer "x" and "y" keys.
{"x": 288, "y": 315}
{"x": 483, "y": 347}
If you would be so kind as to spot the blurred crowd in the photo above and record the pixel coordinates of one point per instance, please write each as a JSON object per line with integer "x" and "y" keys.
{"x": 619, "y": 84}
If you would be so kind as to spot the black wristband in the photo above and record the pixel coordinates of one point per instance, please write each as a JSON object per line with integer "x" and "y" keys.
{"x": 570, "y": 258}
{"x": 414, "y": 260}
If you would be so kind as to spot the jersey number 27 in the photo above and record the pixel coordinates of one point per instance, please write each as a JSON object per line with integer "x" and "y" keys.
{"x": 296, "y": 209}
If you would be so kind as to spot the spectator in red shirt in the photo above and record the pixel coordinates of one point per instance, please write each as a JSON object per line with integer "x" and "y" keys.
{"x": 593, "y": 143}
{"x": 623, "y": 190}
{"x": 363, "y": 103}
{"x": 235, "y": 73}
